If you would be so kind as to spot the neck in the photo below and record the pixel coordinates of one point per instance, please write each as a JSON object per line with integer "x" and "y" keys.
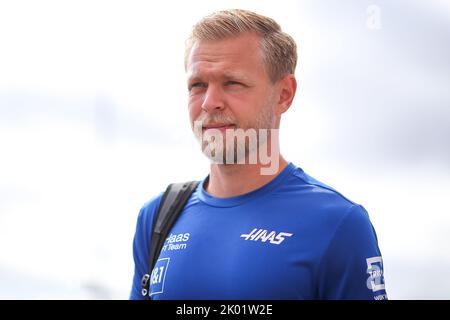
{"x": 230, "y": 180}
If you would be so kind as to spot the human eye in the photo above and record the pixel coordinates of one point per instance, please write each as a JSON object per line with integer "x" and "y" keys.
{"x": 233, "y": 83}
{"x": 197, "y": 84}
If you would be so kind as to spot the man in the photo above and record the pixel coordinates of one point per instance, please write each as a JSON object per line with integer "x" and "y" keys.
{"x": 257, "y": 227}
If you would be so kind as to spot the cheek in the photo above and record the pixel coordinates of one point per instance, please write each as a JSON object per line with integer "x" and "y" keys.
{"x": 244, "y": 110}
{"x": 194, "y": 108}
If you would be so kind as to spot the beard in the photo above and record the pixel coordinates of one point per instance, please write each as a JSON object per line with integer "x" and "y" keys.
{"x": 241, "y": 143}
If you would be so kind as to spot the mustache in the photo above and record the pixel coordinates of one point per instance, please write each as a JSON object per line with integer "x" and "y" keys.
{"x": 207, "y": 119}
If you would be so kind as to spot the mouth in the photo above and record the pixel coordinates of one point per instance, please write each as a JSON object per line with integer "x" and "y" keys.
{"x": 219, "y": 126}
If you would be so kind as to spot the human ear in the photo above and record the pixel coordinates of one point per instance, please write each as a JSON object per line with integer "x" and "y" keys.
{"x": 287, "y": 89}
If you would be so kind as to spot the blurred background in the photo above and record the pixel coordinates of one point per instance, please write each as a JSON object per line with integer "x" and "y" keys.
{"x": 93, "y": 123}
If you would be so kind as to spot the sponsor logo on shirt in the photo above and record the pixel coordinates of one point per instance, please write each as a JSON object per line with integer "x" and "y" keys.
{"x": 158, "y": 276}
{"x": 375, "y": 281}
{"x": 176, "y": 242}
{"x": 264, "y": 235}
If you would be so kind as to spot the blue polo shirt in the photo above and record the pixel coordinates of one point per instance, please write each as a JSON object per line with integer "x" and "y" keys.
{"x": 293, "y": 238}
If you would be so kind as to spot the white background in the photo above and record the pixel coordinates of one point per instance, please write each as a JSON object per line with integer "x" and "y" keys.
{"x": 93, "y": 123}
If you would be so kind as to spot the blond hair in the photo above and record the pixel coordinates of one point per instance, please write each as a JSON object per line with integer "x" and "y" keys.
{"x": 279, "y": 50}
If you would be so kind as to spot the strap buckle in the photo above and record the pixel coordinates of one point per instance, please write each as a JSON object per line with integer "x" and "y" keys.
{"x": 145, "y": 284}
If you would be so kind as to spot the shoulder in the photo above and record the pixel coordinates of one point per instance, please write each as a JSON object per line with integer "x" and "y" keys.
{"x": 321, "y": 207}
{"x": 144, "y": 226}
{"x": 330, "y": 209}
{"x": 149, "y": 209}
{"x": 319, "y": 198}
{"x": 319, "y": 188}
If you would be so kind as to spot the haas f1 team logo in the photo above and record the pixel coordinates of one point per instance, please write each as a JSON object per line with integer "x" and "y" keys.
{"x": 265, "y": 235}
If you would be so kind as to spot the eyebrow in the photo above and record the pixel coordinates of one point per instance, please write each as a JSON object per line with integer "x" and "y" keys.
{"x": 226, "y": 75}
{"x": 235, "y": 75}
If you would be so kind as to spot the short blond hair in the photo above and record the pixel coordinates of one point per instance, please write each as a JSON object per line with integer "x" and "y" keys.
{"x": 279, "y": 50}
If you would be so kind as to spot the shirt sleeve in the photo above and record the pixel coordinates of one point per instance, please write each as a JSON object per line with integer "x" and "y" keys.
{"x": 141, "y": 245}
{"x": 352, "y": 266}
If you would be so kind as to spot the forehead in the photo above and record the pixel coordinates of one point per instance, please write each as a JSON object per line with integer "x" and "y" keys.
{"x": 237, "y": 55}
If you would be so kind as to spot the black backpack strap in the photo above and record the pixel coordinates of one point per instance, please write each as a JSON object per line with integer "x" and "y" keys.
{"x": 172, "y": 203}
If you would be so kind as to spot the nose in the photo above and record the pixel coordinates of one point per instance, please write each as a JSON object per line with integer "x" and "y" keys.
{"x": 213, "y": 100}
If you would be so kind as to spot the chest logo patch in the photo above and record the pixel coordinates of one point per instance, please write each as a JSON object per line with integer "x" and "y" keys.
{"x": 263, "y": 235}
